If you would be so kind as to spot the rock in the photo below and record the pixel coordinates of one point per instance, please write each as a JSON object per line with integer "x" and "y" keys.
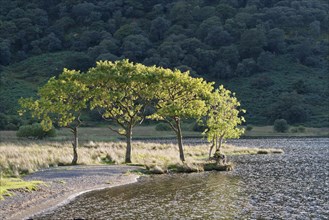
{"x": 218, "y": 167}
{"x": 156, "y": 170}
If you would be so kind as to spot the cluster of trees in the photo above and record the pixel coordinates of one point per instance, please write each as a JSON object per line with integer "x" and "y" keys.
{"x": 215, "y": 39}
{"x": 126, "y": 93}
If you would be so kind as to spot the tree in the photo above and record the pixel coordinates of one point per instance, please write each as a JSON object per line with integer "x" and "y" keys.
{"x": 135, "y": 47}
{"x": 3, "y": 121}
{"x": 275, "y": 40}
{"x": 158, "y": 28}
{"x": 252, "y": 42}
{"x": 120, "y": 91}
{"x": 5, "y": 53}
{"x": 281, "y": 125}
{"x": 60, "y": 101}
{"x": 223, "y": 117}
{"x": 179, "y": 96}
{"x": 289, "y": 106}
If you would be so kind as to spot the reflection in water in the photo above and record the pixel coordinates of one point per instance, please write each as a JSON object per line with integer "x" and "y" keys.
{"x": 289, "y": 186}
{"x": 206, "y": 195}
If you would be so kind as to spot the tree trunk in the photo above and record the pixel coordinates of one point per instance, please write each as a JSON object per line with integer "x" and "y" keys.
{"x": 216, "y": 138}
{"x": 180, "y": 141}
{"x": 220, "y": 144}
{"x": 75, "y": 146}
{"x": 211, "y": 147}
{"x": 128, "y": 149}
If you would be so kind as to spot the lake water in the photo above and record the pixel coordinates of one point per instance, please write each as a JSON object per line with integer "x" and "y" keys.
{"x": 294, "y": 185}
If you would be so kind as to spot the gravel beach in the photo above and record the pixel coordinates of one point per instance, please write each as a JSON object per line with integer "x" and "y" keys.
{"x": 63, "y": 184}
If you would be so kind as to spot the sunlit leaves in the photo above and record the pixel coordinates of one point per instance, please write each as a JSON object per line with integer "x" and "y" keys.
{"x": 60, "y": 100}
{"x": 120, "y": 90}
{"x": 224, "y": 115}
{"x": 180, "y": 95}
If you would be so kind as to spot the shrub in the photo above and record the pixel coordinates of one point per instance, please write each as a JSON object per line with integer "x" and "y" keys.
{"x": 301, "y": 129}
{"x": 249, "y": 127}
{"x": 198, "y": 127}
{"x": 11, "y": 127}
{"x": 35, "y": 131}
{"x": 162, "y": 127}
{"x": 294, "y": 130}
{"x": 3, "y": 121}
{"x": 281, "y": 125}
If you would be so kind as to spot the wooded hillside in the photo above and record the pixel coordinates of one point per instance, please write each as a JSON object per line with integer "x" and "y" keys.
{"x": 272, "y": 53}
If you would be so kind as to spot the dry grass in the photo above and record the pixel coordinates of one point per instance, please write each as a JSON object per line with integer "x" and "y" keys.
{"x": 25, "y": 157}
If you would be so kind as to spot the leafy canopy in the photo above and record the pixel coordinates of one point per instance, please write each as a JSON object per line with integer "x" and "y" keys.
{"x": 179, "y": 95}
{"x": 120, "y": 91}
{"x": 223, "y": 115}
{"x": 60, "y": 100}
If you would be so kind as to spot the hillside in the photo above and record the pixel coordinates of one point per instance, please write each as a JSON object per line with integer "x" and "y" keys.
{"x": 273, "y": 53}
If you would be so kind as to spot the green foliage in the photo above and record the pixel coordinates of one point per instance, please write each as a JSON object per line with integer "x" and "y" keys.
{"x": 249, "y": 128}
{"x": 121, "y": 91}
{"x": 179, "y": 95}
{"x": 35, "y": 131}
{"x": 162, "y": 127}
{"x": 61, "y": 100}
{"x": 3, "y": 121}
{"x": 280, "y": 125}
{"x": 223, "y": 116}
{"x": 299, "y": 129}
{"x": 289, "y": 106}
{"x": 199, "y": 127}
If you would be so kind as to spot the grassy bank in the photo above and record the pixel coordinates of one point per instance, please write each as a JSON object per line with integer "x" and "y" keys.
{"x": 26, "y": 157}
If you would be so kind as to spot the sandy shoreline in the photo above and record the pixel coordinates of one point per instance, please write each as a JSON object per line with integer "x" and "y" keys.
{"x": 63, "y": 184}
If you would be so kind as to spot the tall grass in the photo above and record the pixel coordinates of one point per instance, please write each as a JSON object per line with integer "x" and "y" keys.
{"x": 25, "y": 157}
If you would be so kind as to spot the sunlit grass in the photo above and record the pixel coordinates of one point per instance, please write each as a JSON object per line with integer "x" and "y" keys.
{"x": 8, "y": 185}
{"x": 18, "y": 158}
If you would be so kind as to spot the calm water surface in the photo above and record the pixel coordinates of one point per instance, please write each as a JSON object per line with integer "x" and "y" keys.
{"x": 289, "y": 186}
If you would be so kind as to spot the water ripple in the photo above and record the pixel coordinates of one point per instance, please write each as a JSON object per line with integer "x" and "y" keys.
{"x": 289, "y": 186}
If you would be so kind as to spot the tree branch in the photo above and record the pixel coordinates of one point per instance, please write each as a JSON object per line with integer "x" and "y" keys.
{"x": 171, "y": 125}
{"x": 116, "y": 131}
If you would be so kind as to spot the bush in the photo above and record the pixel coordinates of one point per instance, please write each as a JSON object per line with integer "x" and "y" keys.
{"x": 199, "y": 128}
{"x": 281, "y": 125}
{"x": 3, "y": 121}
{"x": 301, "y": 129}
{"x": 294, "y": 130}
{"x": 11, "y": 127}
{"x": 35, "y": 131}
{"x": 162, "y": 127}
{"x": 249, "y": 127}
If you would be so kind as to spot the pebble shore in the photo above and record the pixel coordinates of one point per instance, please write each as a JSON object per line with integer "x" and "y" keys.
{"x": 63, "y": 184}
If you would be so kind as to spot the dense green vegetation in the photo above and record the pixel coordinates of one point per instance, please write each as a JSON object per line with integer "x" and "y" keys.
{"x": 126, "y": 93}
{"x": 273, "y": 53}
